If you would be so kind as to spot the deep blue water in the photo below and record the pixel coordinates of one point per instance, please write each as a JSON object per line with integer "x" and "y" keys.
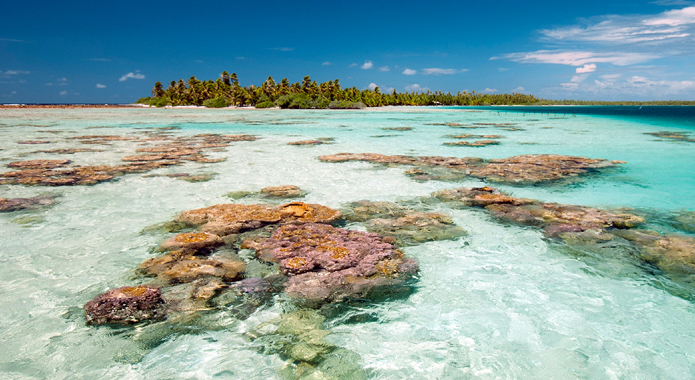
{"x": 668, "y": 116}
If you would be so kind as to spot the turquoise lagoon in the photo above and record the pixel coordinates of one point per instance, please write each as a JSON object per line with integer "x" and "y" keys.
{"x": 503, "y": 302}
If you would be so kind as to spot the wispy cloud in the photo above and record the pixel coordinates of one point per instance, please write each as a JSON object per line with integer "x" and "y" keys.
{"x": 133, "y": 75}
{"x": 578, "y": 58}
{"x": 634, "y": 86}
{"x": 352, "y": 65}
{"x": 669, "y": 3}
{"x": 384, "y": 68}
{"x": 665, "y": 27}
{"x": 63, "y": 93}
{"x": 240, "y": 57}
{"x": 100, "y": 85}
{"x": 327, "y": 63}
{"x": 367, "y": 65}
{"x": 438, "y": 71}
{"x": 14, "y": 72}
{"x": 100, "y": 59}
{"x": 11, "y": 40}
{"x": 518, "y": 90}
{"x": 409, "y": 72}
{"x": 490, "y": 90}
{"x": 59, "y": 82}
{"x": 283, "y": 49}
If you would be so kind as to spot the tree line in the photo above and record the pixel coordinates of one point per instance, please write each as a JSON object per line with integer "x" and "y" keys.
{"x": 226, "y": 91}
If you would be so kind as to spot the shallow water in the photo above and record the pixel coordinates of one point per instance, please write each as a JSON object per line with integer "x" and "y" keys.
{"x": 503, "y": 302}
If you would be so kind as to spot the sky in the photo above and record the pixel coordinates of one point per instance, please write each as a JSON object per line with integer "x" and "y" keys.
{"x": 114, "y": 52}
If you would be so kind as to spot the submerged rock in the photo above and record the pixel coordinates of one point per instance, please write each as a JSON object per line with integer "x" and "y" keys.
{"x": 417, "y": 227}
{"x": 327, "y": 264}
{"x": 525, "y": 169}
{"x": 126, "y": 305}
{"x": 286, "y": 191}
{"x": 473, "y": 143}
{"x": 364, "y": 210}
{"x": 16, "y": 204}
{"x": 38, "y": 164}
{"x": 183, "y": 266}
{"x": 553, "y": 217}
{"x": 671, "y": 253}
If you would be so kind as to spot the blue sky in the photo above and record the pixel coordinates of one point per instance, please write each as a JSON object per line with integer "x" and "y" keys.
{"x": 113, "y": 52}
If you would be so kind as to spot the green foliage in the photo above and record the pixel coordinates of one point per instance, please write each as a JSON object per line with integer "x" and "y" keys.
{"x": 160, "y": 102}
{"x": 321, "y": 103}
{"x": 266, "y": 104}
{"x": 294, "y": 101}
{"x": 145, "y": 100}
{"x": 309, "y": 94}
{"x": 219, "y": 102}
{"x": 345, "y": 104}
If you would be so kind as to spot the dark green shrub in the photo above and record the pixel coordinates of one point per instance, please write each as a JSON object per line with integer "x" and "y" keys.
{"x": 345, "y": 104}
{"x": 160, "y": 102}
{"x": 220, "y": 102}
{"x": 294, "y": 101}
{"x": 145, "y": 101}
{"x": 266, "y": 104}
{"x": 321, "y": 103}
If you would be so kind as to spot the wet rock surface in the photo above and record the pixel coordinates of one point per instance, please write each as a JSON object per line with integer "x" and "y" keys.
{"x": 473, "y": 143}
{"x": 673, "y": 136}
{"x": 417, "y": 227}
{"x": 523, "y": 170}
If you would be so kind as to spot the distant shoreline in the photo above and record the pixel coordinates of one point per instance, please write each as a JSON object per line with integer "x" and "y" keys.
{"x": 107, "y": 106}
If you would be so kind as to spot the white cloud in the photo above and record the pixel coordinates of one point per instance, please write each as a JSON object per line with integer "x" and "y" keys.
{"x": 327, "y": 63}
{"x": 352, "y": 65}
{"x": 13, "y": 92}
{"x": 669, "y": 3}
{"x": 384, "y": 68}
{"x": 14, "y": 72}
{"x": 409, "y": 72}
{"x": 63, "y": 93}
{"x": 133, "y": 75}
{"x": 100, "y": 85}
{"x": 490, "y": 90}
{"x": 100, "y": 59}
{"x": 240, "y": 57}
{"x": 518, "y": 90}
{"x": 632, "y": 87}
{"x": 590, "y": 68}
{"x": 579, "y": 78}
{"x": 367, "y": 65}
{"x": 283, "y": 48}
{"x": 63, "y": 79}
{"x": 10, "y": 40}
{"x": 416, "y": 87}
{"x": 577, "y": 58}
{"x": 502, "y": 69}
{"x": 438, "y": 71}
{"x": 372, "y": 86}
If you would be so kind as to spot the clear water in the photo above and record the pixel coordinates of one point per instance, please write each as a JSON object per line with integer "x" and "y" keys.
{"x": 502, "y": 303}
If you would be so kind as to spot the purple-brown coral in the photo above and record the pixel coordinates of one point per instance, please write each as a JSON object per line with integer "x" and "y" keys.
{"x": 126, "y": 305}
{"x": 326, "y": 263}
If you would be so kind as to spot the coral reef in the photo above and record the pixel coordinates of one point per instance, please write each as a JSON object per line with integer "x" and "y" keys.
{"x": 225, "y": 219}
{"x": 326, "y": 263}
{"x": 525, "y": 169}
{"x": 473, "y": 143}
{"x": 126, "y": 305}
{"x": 554, "y": 218}
{"x": 38, "y": 164}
